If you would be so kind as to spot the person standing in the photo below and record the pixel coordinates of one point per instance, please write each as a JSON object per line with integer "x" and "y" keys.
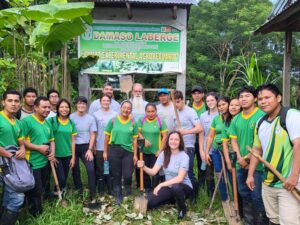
{"x": 279, "y": 145}
{"x": 102, "y": 116}
{"x": 120, "y": 148}
{"x": 64, "y": 132}
{"x": 242, "y": 134}
{"x": 53, "y": 96}
{"x": 220, "y": 122}
{"x": 138, "y": 101}
{"x": 165, "y": 108}
{"x": 207, "y": 171}
{"x": 29, "y": 96}
{"x": 10, "y": 134}
{"x": 199, "y": 106}
{"x": 38, "y": 135}
{"x": 154, "y": 131}
{"x": 190, "y": 127}
{"x": 175, "y": 163}
{"x": 109, "y": 91}
{"x": 84, "y": 146}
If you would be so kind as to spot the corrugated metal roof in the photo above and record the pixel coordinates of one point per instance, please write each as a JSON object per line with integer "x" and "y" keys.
{"x": 180, "y": 2}
{"x": 280, "y": 6}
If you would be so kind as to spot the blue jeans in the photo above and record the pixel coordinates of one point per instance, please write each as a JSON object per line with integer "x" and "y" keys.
{"x": 247, "y": 195}
{"x": 190, "y": 151}
{"x": 217, "y": 162}
{"x": 12, "y": 200}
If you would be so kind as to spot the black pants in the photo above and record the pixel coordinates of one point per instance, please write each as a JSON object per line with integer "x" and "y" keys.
{"x": 62, "y": 170}
{"x": 178, "y": 192}
{"x": 120, "y": 165}
{"x": 34, "y": 196}
{"x": 150, "y": 183}
{"x": 99, "y": 165}
{"x": 80, "y": 151}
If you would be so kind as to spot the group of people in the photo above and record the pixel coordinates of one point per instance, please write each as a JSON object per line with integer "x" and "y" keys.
{"x": 105, "y": 138}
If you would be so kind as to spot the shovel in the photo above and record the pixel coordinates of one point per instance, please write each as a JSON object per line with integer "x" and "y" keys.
{"x": 140, "y": 202}
{"x": 233, "y": 158}
{"x": 295, "y": 191}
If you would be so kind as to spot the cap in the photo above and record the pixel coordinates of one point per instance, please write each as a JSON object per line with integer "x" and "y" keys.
{"x": 162, "y": 91}
{"x": 198, "y": 88}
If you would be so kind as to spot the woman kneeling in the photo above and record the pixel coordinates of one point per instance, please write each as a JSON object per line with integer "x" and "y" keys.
{"x": 175, "y": 163}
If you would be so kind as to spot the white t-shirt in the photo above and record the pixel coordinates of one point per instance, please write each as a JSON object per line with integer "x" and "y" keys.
{"x": 167, "y": 114}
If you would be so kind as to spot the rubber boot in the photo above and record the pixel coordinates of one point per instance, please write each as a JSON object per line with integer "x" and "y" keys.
{"x": 118, "y": 194}
{"x": 262, "y": 219}
{"x": 128, "y": 191}
{"x": 101, "y": 187}
{"x": 201, "y": 178}
{"x": 210, "y": 188}
{"x": 109, "y": 184}
{"x": 35, "y": 207}
{"x": 248, "y": 213}
{"x": 8, "y": 217}
{"x": 181, "y": 208}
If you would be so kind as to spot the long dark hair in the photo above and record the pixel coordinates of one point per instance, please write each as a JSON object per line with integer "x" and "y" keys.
{"x": 229, "y": 116}
{"x": 167, "y": 150}
{"x": 58, "y": 105}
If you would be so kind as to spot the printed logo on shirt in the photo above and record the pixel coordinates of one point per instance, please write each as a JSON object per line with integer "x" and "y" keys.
{"x": 131, "y": 128}
{"x": 278, "y": 130}
{"x": 252, "y": 124}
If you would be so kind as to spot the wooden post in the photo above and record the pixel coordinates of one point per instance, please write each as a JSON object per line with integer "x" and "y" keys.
{"x": 287, "y": 66}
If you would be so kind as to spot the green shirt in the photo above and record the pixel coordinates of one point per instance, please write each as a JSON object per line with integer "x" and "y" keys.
{"x": 151, "y": 131}
{"x": 218, "y": 126}
{"x": 242, "y": 128}
{"x": 10, "y": 131}
{"x": 199, "y": 110}
{"x": 122, "y": 132}
{"x": 37, "y": 132}
{"x": 63, "y": 132}
{"x": 276, "y": 146}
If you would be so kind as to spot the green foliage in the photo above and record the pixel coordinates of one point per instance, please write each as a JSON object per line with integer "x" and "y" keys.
{"x": 7, "y": 69}
{"x": 218, "y": 32}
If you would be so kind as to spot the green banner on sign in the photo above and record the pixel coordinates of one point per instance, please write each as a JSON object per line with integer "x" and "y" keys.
{"x": 131, "y": 48}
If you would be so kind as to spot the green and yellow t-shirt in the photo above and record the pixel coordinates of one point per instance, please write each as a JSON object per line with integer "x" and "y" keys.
{"x": 199, "y": 110}
{"x": 276, "y": 145}
{"x": 63, "y": 132}
{"x": 122, "y": 132}
{"x": 37, "y": 132}
{"x": 151, "y": 131}
{"x": 218, "y": 126}
{"x": 242, "y": 128}
{"x": 10, "y": 131}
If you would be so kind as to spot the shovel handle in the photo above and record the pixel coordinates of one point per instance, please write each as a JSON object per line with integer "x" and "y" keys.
{"x": 235, "y": 191}
{"x": 141, "y": 173}
{"x": 175, "y": 110}
{"x": 295, "y": 191}
{"x": 56, "y": 180}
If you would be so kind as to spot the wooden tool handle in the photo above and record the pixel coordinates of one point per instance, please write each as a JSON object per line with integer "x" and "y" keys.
{"x": 295, "y": 191}
{"x": 56, "y": 180}
{"x": 235, "y": 191}
{"x": 175, "y": 110}
{"x": 141, "y": 174}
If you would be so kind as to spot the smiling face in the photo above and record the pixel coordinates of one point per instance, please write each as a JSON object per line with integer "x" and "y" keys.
{"x": 234, "y": 107}
{"x": 151, "y": 112}
{"x": 223, "y": 107}
{"x": 126, "y": 109}
{"x": 105, "y": 102}
{"x": 268, "y": 101}
{"x": 43, "y": 109}
{"x": 81, "y": 107}
{"x": 64, "y": 109}
{"x": 11, "y": 103}
{"x": 211, "y": 102}
{"x": 247, "y": 100}
{"x": 174, "y": 141}
{"x": 108, "y": 90}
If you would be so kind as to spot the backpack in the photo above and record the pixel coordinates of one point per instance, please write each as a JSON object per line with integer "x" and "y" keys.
{"x": 282, "y": 119}
{"x": 158, "y": 121}
{"x": 17, "y": 173}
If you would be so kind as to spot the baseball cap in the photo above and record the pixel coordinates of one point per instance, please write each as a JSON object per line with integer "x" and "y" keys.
{"x": 198, "y": 88}
{"x": 162, "y": 91}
